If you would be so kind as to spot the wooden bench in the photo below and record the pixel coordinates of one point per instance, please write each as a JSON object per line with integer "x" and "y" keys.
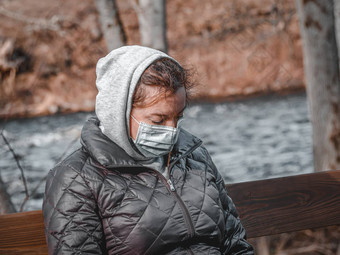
{"x": 266, "y": 207}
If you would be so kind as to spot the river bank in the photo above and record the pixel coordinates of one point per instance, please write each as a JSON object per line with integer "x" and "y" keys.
{"x": 248, "y": 140}
{"x": 238, "y": 49}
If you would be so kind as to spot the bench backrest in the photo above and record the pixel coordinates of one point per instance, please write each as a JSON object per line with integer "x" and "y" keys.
{"x": 288, "y": 204}
{"x": 266, "y": 207}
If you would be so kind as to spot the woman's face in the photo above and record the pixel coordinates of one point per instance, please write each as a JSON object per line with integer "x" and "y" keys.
{"x": 165, "y": 111}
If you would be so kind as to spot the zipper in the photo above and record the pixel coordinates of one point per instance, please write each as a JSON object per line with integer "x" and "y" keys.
{"x": 186, "y": 214}
{"x": 171, "y": 188}
{"x": 185, "y": 154}
{"x": 191, "y": 228}
{"x": 190, "y": 251}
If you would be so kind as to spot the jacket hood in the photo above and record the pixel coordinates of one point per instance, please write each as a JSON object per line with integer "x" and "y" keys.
{"x": 117, "y": 76}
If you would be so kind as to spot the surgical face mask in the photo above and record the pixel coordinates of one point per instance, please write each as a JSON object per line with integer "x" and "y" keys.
{"x": 155, "y": 140}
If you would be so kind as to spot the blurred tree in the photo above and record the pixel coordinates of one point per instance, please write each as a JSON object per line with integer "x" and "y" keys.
{"x": 321, "y": 65}
{"x": 6, "y": 205}
{"x": 111, "y": 24}
{"x": 151, "y": 18}
{"x": 337, "y": 25}
{"x": 152, "y": 23}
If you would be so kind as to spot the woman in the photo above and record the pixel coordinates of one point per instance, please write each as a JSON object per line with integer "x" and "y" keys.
{"x": 140, "y": 184}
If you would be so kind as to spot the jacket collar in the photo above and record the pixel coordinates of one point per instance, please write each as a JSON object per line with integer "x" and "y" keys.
{"x": 110, "y": 155}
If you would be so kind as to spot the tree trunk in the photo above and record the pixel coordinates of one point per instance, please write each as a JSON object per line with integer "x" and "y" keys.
{"x": 159, "y": 25}
{"x": 111, "y": 24}
{"x": 6, "y": 205}
{"x": 317, "y": 25}
{"x": 337, "y": 24}
{"x": 145, "y": 22}
{"x": 152, "y": 23}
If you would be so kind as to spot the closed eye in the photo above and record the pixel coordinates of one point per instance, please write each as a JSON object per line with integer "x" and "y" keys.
{"x": 162, "y": 121}
{"x": 158, "y": 122}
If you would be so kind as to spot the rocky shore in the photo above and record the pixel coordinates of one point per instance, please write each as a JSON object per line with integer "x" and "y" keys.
{"x": 48, "y": 51}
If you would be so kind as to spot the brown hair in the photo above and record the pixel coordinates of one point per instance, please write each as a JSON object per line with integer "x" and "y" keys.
{"x": 166, "y": 74}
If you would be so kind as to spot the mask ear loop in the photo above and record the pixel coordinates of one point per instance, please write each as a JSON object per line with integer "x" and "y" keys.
{"x": 134, "y": 119}
{"x": 137, "y": 122}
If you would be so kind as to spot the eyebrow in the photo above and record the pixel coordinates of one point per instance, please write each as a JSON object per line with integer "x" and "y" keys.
{"x": 161, "y": 114}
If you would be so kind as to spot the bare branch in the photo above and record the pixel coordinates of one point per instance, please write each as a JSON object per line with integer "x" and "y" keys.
{"x": 42, "y": 180}
{"x": 16, "y": 158}
{"x": 6, "y": 205}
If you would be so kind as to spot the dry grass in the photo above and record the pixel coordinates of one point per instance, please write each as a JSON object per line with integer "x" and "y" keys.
{"x": 325, "y": 241}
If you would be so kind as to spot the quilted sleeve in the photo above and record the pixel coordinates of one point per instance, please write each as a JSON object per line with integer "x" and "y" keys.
{"x": 72, "y": 223}
{"x": 234, "y": 242}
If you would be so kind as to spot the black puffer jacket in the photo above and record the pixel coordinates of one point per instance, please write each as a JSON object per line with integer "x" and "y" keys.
{"x": 100, "y": 201}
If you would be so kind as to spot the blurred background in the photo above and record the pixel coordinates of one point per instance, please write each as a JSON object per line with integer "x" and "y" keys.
{"x": 250, "y": 107}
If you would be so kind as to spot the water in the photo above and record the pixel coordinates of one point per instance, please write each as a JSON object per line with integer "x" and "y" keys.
{"x": 248, "y": 140}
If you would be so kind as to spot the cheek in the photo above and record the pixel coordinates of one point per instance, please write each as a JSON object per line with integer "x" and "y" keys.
{"x": 133, "y": 129}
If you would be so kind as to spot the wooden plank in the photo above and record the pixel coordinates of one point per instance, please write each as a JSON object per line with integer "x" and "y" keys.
{"x": 286, "y": 204}
{"x": 266, "y": 207}
{"x": 32, "y": 250}
{"x": 22, "y": 233}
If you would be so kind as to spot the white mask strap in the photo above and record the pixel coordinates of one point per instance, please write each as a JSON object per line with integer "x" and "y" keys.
{"x": 135, "y": 119}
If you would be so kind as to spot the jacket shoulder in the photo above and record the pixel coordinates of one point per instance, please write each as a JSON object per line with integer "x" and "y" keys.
{"x": 79, "y": 163}
{"x": 65, "y": 172}
{"x": 68, "y": 200}
{"x": 202, "y": 155}
{"x": 75, "y": 160}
